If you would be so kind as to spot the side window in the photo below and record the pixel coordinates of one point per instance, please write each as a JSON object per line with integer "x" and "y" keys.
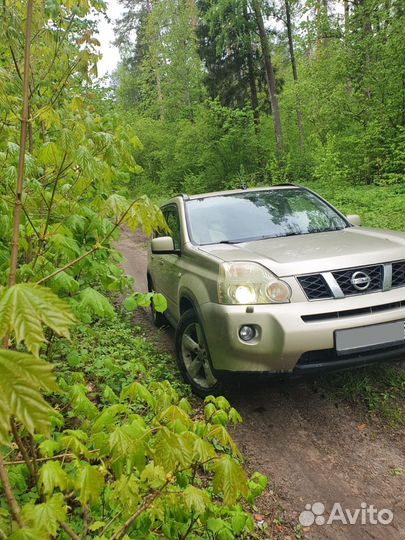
{"x": 172, "y": 219}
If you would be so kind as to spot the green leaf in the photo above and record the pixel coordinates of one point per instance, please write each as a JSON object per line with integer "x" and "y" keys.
{"x": 184, "y": 404}
{"x": 81, "y": 403}
{"x": 137, "y": 390}
{"x": 109, "y": 394}
{"x": 222, "y": 403}
{"x": 196, "y": 499}
{"x": 107, "y": 416}
{"x": 46, "y": 516}
{"x": 234, "y": 416}
{"x": 64, "y": 245}
{"x": 125, "y": 440}
{"x": 257, "y": 484}
{"x": 171, "y": 450}
{"x": 28, "y": 533}
{"x": 220, "y": 433}
{"x": 209, "y": 410}
{"x": 96, "y": 525}
{"x": 21, "y": 377}
{"x": 215, "y": 525}
{"x": 130, "y": 304}
{"x": 203, "y": 450}
{"x": 52, "y": 476}
{"x": 48, "y": 447}
{"x": 173, "y": 413}
{"x": 126, "y": 492}
{"x": 219, "y": 417}
{"x": 229, "y": 479}
{"x": 25, "y": 307}
{"x": 63, "y": 282}
{"x": 159, "y": 302}
{"x": 238, "y": 522}
{"x": 75, "y": 446}
{"x": 95, "y": 303}
{"x": 49, "y": 154}
{"x": 89, "y": 483}
{"x": 153, "y": 475}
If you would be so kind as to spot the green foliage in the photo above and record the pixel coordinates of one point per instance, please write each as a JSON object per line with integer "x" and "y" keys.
{"x": 379, "y": 389}
{"x": 136, "y": 300}
{"x": 45, "y": 518}
{"x": 342, "y": 112}
{"x": 147, "y": 454}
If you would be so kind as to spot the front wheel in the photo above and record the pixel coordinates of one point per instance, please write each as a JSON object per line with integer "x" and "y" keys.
{"x": 193, "y": 357}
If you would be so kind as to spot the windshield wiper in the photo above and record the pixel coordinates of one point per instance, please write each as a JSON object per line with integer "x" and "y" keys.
{"x": 236, "y": 241}
{"x": 268, "y": 236}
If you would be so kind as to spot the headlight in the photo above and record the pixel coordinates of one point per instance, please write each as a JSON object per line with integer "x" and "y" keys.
{"x": 250, "y": 283}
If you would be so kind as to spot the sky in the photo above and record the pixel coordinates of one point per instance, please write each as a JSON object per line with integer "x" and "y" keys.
{"x": 110, "y": 53}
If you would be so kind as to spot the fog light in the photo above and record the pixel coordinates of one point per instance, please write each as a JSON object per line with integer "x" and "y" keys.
{"x": 247, "y": 333}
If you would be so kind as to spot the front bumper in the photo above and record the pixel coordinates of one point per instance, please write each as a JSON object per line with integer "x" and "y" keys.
{"x": 286, "y": 332}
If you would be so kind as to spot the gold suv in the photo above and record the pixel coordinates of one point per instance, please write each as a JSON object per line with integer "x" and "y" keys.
{"x": 276, "y": 280}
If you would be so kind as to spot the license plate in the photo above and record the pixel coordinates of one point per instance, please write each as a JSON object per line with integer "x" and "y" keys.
{"x": 364, "y": 338}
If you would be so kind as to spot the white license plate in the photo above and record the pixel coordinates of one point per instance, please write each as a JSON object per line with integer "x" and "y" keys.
{"x": 363, "y": 338}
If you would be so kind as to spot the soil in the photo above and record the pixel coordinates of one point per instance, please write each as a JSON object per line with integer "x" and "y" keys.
{"x": 312, "y": 447}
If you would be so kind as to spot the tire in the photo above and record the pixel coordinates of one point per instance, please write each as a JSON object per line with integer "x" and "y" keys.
{"x": 193, "y": 358}
{"x": 158, "y": 319}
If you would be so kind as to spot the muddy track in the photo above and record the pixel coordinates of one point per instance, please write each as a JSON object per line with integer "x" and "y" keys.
{"x": 312, "y": 448}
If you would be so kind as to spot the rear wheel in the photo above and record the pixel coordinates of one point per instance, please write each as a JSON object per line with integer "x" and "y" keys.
{"x": 193, "y": 356}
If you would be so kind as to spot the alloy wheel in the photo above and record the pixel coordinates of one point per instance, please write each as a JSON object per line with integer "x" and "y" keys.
{"x": 195, "y": 356}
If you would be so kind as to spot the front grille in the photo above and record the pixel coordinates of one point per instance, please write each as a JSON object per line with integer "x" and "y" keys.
{"x": 352, "y": 312}
{"x": 398, "y": 274}
{"x": 343, "y": 277}
{"x": 315, "y": 287}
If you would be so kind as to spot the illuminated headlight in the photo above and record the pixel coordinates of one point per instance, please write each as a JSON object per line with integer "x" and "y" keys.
{"x": 250, "y": 283}
{"x": 243, "y": 294}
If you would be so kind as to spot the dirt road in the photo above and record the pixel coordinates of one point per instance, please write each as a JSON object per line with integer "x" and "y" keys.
{"x": 312, "y": 448}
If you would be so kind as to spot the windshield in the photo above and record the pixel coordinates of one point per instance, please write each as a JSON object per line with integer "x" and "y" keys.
{"x": 244, "y": 217}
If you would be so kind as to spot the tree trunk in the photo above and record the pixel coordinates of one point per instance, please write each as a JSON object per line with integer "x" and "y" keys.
{"x": 193, "y": 14}
{"x": 5, "y": 481}
{"x": 251, "y": 74}
{"x": 156, "y": 66}
{"x": 271, "y": 80}
{"x": 346, "y": 15}
{"x": 21, "y": 158}
{"x": 294, "y": 70}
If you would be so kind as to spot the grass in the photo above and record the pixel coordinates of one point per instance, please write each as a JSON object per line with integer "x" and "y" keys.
{"x": 378, "y": 206}
{"x": 380, "y": 389}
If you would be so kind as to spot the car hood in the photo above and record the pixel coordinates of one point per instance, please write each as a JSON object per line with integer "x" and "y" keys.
{"x": 319, "y": 252}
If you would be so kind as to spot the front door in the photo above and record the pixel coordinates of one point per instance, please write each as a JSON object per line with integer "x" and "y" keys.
{"x": 167, "y": 265}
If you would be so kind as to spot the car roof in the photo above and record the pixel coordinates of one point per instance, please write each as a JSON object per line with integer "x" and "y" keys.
{"x": 231, "y": 192}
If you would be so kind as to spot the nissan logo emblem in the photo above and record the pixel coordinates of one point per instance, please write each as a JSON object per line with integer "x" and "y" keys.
{"x": 360, "y": 281}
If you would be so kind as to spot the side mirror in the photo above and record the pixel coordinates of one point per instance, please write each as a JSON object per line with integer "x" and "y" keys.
{"x": 162, "y": 245}
{"x": 354, "y": 219}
